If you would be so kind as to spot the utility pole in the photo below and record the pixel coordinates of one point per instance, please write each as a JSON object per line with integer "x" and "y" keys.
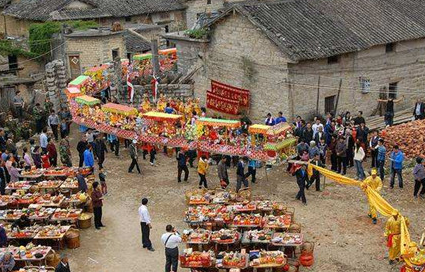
{"x": 155, "y": 57}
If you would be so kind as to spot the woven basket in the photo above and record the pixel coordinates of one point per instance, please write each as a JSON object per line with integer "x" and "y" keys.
{"x": 73, "y": 238}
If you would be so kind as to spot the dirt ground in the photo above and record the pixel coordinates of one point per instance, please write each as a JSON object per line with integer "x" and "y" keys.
{"x": 335, "y": 219}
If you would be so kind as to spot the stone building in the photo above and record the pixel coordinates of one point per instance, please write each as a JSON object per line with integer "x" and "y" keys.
{"x": 195, "y": 8}
{"x": 360, "y": 50}
{"x": 19, "y": 14}
{"x": 85, "y": 49}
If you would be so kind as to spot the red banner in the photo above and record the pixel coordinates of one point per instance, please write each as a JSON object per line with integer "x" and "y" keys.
{"x": 230, "y": 92}
{"x": 222, "y": 104}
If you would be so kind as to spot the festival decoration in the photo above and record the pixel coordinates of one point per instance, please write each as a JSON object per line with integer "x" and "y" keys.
{"x": 87, "y": 100}
{"x": 230, "y": 92}
{"x": 221, "y": 104}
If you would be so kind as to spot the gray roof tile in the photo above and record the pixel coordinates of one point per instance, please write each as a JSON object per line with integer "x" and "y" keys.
{"x": 311, "y": 29}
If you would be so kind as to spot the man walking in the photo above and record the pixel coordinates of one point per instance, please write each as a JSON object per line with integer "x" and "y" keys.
{"x": 182, "y": 166}
{"x": 134, "y": 156}
{"x": 375, "y": 183}
{"x": 114, "y": 144}
{"x": 241, "y": 175}
{"x": 302, "y": 177}
{"x": 53, "y": 123}
{"x": 171, "y": 240}
{"x": 222, "y": 172}
{"x": 396, "y": 159}
{"x": 145, "y": 224}
{"x": 100, "y": 150}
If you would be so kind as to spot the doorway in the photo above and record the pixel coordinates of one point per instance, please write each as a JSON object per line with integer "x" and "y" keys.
{"x": 330, "y": 104}
{"x": 115, "y": 54}
{"x": 13, "y": 62}
{"x": 74, "y": 66}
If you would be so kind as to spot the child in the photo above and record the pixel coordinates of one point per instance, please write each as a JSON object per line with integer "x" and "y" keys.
{"x": 102, "y": 178}
{"x": 45, "y": 160}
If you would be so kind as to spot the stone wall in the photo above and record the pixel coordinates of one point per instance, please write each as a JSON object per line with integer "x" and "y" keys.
{"x": 95, "y": 50}
{"x": 56, "y": 81}
{"x": 240, "y": 55}
{"x": 406, "y": 65}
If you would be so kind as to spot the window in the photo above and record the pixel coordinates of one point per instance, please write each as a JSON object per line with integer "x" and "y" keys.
{"x": 208, "y": 2}
{"x": 129, "y": 56}
{"x": 128, "y": 19}
{"x": 364, "y": 84}
{"x": 330, "y": 103}
{"x": 392, "y": 90}
{"x": 389, "y": 47}
{"x": 333, "y": 59}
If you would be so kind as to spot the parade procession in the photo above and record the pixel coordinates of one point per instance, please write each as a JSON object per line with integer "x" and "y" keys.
{"x": 212, "y": 136}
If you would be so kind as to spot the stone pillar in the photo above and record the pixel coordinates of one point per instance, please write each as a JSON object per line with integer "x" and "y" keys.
{"x": 56, "y": 83}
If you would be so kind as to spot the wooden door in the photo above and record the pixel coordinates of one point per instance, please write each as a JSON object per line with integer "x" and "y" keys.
{"x": 6, "y": 97}
{"x": 74, "y": 66}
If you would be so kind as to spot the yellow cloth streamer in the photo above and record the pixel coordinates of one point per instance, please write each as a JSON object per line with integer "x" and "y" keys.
{"x": 375, "y": 199}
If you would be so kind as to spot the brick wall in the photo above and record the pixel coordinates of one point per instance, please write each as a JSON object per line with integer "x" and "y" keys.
{"x": 30, "y": 67}
{"x": 234, "y": 44}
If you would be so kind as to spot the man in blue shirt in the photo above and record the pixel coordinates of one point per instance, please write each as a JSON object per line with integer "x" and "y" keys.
{"x": 396, "y": 159}
{"x": 114, "y": 143}
{"x": 380, "y": 158}
{"x": 88, "y": 156}
{"x": 43, "y": 140}
{"x": 169, "y": 109}
{"x": 280, "y": 118}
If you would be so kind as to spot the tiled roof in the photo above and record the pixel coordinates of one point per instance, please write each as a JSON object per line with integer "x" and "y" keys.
{"x": 3, "y": 3}
{"x": 312, "y": 29}
{"x": 45, "y": 10}
{"x": 136, "y": 44}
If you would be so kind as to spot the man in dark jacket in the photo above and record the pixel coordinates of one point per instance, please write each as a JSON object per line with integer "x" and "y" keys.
{"x": 100, "y": 150}
{"x": 222, "y": 172}
{"x": 361, "y": 135}
{"x": 359, "y": 119}
{"x": 81, "y": 147}
{"x": 182, "y": 165}
{"x": 63, "y": 266}
{"x": 302, "y": 178}
{"x": 308, "y": 134}
{"x": 315, "y": 177}
{"x": 241, "y": 176}
{"x": 133, "y": 154}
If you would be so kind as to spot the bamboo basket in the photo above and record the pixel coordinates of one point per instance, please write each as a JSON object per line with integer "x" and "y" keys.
{"x": 85, "y": 223}
{"x": 73, "y": 238}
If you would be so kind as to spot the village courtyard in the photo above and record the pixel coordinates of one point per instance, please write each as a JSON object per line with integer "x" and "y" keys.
{"x": 335, "y": 219}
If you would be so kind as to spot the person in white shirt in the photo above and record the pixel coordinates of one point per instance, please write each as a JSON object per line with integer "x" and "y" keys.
{"x": 145, "y": 223}
{"x": 316, "y": 126}
{"x": 171, "y": 240}
{"x": 359, "y": 156}
{"x": 43, "y": 140}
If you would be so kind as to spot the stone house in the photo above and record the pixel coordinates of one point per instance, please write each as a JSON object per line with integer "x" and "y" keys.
{"x": 85, "y": 49}
{"x": 308, "y": 57}
{"x": 19, "y": 14}
{"x": 195, "y": 8}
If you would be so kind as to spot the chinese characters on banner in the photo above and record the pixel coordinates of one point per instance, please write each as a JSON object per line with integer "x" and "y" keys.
{"x": 221, "y": 104}
{"x": 227, "y": 99}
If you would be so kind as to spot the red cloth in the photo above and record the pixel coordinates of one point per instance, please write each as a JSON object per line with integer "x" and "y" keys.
{"x": 230, "y": 92}
{"x": 222, "y": 104}
{"x": 390, "y": 240}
